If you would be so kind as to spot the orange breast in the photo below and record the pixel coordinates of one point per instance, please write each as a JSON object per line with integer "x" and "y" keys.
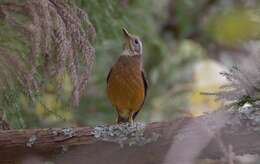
{"x": 125, "y": 86}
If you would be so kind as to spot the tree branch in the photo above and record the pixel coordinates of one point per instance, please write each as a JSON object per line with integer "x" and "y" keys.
{"x": 181, "y": 141}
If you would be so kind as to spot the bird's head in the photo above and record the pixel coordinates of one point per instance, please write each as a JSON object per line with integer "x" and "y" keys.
{"x": 132, "y": 44}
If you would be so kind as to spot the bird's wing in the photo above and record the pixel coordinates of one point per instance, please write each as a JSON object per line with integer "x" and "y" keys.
{"x": 145, "y": 92}
{"x": 145, "y": 83}
{"x": 109, "y": 74}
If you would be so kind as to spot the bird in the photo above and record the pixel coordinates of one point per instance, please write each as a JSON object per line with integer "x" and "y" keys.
{"x": 126, "y": 82}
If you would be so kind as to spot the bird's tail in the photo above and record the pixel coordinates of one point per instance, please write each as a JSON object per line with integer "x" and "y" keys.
{"x": 121, "y": 119}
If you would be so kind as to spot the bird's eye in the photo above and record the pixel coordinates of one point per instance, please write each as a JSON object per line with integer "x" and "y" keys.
{"x": 136, "y": 41}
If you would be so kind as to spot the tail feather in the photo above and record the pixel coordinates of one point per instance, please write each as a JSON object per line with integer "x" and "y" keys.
{"x": 121, "y": 119}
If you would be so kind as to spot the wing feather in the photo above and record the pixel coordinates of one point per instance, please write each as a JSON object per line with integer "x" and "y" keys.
{"x": 108, "y": 76}
{"x": 145, "y": 92}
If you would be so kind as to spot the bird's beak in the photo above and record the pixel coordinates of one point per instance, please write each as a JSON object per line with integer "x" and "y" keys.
{"x": 126, "y": 33}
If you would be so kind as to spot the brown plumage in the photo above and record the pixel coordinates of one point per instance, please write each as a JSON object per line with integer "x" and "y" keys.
{"x": 126, "y": 83}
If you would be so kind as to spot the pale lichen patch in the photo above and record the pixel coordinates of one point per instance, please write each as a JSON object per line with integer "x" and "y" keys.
{"x": 69, "y": 132}
{"x": 31, "y": 141}
{"x": 124, "y": 134}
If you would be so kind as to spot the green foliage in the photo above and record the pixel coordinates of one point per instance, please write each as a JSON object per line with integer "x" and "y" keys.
{"x": 168, "y": 61}
{"x": 137, "y": 17}
{"x": 235, "y": 26}
{"x": 11, "y": 104}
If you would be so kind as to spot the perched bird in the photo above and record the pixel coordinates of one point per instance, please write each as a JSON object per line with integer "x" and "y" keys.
{"x": 126, "y": 83}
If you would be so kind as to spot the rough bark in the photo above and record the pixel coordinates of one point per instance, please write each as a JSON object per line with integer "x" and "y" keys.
{"x": 181, "y": 141}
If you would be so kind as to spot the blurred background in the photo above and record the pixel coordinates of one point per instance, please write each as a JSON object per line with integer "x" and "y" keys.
{"x": 186, "y": 44}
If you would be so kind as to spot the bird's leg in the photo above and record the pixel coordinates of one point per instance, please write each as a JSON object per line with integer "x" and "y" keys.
{"x": 131, "y": 120}
{"x": 121, "y": 119}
